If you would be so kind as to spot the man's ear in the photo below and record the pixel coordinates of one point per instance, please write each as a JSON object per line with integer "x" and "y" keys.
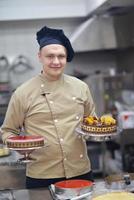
{"x": 39, "y": 56}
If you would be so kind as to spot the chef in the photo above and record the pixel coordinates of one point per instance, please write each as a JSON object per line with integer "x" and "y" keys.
{"x": 52, "y": 104}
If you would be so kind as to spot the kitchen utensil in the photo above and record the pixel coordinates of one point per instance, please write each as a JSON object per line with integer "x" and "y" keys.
{"x": 73, "y": 188}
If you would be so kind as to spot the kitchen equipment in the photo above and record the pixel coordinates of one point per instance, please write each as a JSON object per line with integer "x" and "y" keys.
{"x": 20, "y": 70}
{"x": 73, "y": 188}
{"x": 21, "y": 64}
{"x": 4, "y": 69}
{"x": 107, "y": 89}
{"x": 120, "y": 181}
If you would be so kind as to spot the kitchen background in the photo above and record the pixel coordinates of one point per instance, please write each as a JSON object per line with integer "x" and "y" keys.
{"x": 102, "y": 34}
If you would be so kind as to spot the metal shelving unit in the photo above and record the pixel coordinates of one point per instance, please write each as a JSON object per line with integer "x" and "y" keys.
{"x": 127, "y": 149}
{"x": 5, "y": 90}
{"x": 4, "y": 99}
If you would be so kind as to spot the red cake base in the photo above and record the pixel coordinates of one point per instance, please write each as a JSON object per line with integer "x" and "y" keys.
{"x": 27, "y": 141}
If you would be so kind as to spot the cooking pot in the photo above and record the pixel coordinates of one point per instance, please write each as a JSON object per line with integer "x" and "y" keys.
{"x": 120, "y": 181}
{"x": 73, "y": 188}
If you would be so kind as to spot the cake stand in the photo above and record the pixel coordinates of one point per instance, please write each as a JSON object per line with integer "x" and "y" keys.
{"x": 95, "y": 137}
{"x": 25, "y": 152}
{"x": 102, "y": 137}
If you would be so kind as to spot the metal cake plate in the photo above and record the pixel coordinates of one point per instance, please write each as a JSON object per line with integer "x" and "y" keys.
{"x": 25, "y": 152}
{"x": 25, "y": 149}
{"x": 97, "y": 137}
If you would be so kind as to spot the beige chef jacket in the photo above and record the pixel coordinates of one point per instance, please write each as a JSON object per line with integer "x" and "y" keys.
{"x": 52, "y": 109}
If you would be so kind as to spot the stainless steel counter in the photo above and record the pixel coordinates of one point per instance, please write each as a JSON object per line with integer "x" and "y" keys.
{"x": 36, "y": 194}
{"x": 40, "y": 194}
{"x": 12, "y": 177}
{"x": 44, "y": 193}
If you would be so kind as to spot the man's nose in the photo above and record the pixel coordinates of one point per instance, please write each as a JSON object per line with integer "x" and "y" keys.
{"x": 56, "y": 60}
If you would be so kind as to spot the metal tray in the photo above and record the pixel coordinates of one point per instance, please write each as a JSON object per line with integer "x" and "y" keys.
{"x": 97, "y": 137}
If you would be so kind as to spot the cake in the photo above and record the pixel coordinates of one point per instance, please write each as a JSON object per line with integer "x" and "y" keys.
{"x": 26, "y": 141}
{"x": 103, "y": 125}
{"x": 116, "y": 196}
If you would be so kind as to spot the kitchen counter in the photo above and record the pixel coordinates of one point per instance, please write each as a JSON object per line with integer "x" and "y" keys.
{"x": 24, "y": 194}
{"x": 35, "y": 194}
{"x": 12, "y": 182}
{"x": 12, "y": 177}
{"x": 44, "y": 193}
{"x": 12, "y": 172}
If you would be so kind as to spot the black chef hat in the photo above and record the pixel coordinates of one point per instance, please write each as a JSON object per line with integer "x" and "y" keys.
{"x": 46, "y": 36}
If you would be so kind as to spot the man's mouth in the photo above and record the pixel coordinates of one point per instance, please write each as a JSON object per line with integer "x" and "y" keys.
{"x": 55, "y": 67}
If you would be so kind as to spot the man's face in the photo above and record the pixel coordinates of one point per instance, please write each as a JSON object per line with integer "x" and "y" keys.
{"x": 53, "y": 58}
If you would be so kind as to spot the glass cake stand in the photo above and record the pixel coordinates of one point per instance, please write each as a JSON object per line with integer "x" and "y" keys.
{"x": 25, "y": 152}
{"x": 95, "y": 137}
{"x": 102, "y": 137}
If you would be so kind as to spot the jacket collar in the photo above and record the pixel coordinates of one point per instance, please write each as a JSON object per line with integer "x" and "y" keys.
{"x": 47, "y": 86}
